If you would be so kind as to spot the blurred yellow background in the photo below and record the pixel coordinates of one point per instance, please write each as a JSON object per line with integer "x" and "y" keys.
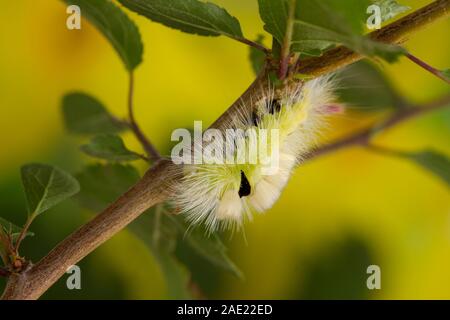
{"x": 339, "y": 213}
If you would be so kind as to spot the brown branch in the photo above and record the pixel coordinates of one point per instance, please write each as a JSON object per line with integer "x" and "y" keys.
{"x": 153, "y": 188}
{"x": 149, "y": 191}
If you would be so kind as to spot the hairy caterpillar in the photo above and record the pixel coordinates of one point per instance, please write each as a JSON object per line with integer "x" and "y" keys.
{"x": 223, "y": 195}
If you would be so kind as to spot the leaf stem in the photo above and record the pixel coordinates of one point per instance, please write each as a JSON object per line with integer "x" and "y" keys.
{"x": 285, "y": 49}
{"x": 427, "y": 67}
{"x": 143, "y": 157}
{"x": 147, "y": 145}
{"x": 23, "y": 233}
{"x": 253, "y": 44}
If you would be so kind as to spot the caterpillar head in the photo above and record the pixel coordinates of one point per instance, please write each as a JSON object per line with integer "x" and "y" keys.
{"x": 222, "y": 194}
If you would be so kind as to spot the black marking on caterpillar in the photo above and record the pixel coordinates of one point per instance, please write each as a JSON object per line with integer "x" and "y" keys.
{"x": 255, "y": 119}
{"x": 244, "y": 189}
{"x": 274, "y": 106}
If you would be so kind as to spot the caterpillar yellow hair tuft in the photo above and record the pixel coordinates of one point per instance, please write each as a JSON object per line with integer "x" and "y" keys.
{"x": 224, "y": 194}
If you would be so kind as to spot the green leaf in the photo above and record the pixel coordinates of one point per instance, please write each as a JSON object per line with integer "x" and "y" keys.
{"x": 433, "y": 161}
{"x": 390, "y": 9}
{"x": 102, "y": 184}
{"x": 168, "y": 230}
{"x": 8, "y": 230}
{"x": 12, "y": 230}
{"x": 8, "y": 227}
{"x": 210, "y": 247}
{"x": 364, "y": 87}
{"x": 45, "y": 186}
{"x": 109, "y": 147}
{"x": 257, "y": 57}
{"x": 191, "y": 16}
{"x": 158, "y": 232}
{"x": 446, "y": 74}
{"x": 430, "y": 160}
{"x": 274, "y": 13}
{"x": 84, "y": 114}
{"x": 176, "y": 275}
{"x": 115, "y": 25}
{"x": 321, "y": 24}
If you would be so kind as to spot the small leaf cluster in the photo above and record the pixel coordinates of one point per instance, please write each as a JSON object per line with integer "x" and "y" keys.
{"x": 45, "y": 186}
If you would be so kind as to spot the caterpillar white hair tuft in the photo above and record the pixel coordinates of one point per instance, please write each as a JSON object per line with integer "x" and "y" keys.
{"x": 224, "y": 195}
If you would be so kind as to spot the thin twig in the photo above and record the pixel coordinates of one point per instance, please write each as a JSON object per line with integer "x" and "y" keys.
{"x": 427, "y": 67}
{"x": 385, "y": 151}
{"x": 152, "y": 153}
{"x": 363, "y": 137}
